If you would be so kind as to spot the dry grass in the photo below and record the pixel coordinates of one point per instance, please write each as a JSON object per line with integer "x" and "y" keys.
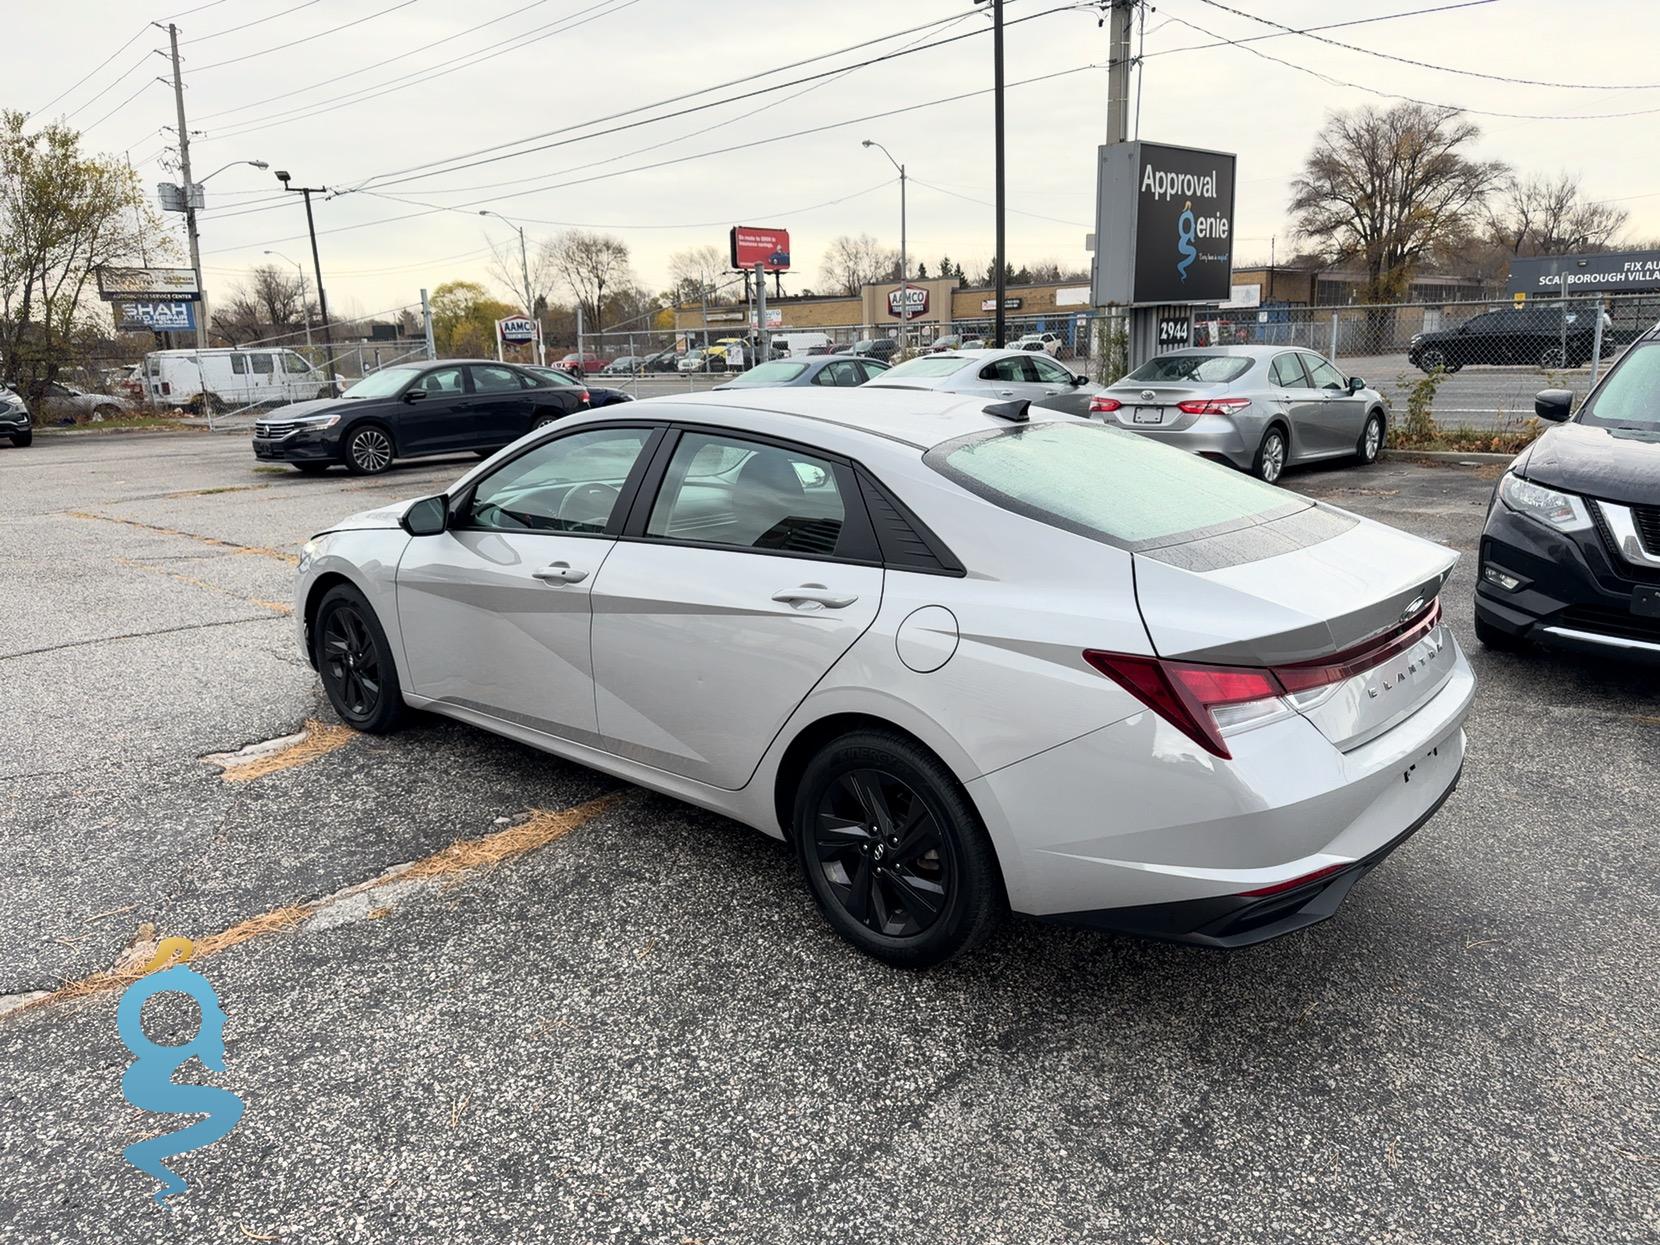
{"x": 317, "y": 739}
{"x": 279, "y": 555}
{"x": 537, "y": 831}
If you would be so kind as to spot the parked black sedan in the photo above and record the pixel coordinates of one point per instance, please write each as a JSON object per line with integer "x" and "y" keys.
{"x": 413, "y": 409}
{"x": 598, "y": 395}
{"x": 1571, "y": 551}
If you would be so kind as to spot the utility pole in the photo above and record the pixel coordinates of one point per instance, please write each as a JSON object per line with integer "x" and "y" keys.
{"x": 762, "y": 354}
{"x": 317, "y": 266}
{"x": 997, "y": 122}
{"x": 1120, "y": 19}
{"x": 189, "y": 191}
{"x": 426, "y": 325}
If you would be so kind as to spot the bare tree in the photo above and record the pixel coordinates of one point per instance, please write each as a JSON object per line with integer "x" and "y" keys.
{"x": 1388, "y": 188}
{"x": 850, "y": 264}
{"x": 1542, "y": 215}
{"x": 697, "y": 268}
{"x": 271, "y": 302}
{"x": 508, "y": 266}
{"x": 589, "y": 264}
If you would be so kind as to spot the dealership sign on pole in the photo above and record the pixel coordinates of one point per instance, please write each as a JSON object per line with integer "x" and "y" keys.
{"x": 160, "y": 316}
{"x": 1635, "y": 272}
{"x": 1164, "y": 225}
{"x": 147, "y": 283}
{"x": 768, "y": 247}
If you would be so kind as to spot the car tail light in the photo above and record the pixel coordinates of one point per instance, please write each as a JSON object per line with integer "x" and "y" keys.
{"x": 1100, "y": 404}
{"x": 1213, "y": 406}
{"x": 1291, "y": 884}
{"x": 1200, "y": 701}
{"x": 1309, "y": 675}
{"x": 584, "y": 396}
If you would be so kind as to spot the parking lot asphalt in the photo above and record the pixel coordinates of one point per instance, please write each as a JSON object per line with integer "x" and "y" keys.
{"x": 586, "y": 1013}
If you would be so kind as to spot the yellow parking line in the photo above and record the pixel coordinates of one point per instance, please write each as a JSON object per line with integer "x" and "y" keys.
{"x": 291, "y": 558}
{"x": 276, "y": 607}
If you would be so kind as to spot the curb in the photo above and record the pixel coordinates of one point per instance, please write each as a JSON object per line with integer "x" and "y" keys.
{"x": 1456, "y": 456}
{"x": 111, "y": 432}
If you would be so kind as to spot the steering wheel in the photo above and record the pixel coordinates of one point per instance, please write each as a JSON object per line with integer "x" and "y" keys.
{"x": 587, "y": 506}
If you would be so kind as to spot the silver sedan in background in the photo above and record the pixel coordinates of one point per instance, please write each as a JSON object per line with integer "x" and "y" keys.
{"x": 1260, "y": 408}
{"x": 834, "y": 370}
{"x": 996, "y": 375}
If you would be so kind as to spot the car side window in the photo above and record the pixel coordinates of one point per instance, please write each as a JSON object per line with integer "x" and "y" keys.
{"x": 841, "y": 373}
{"x": 1288, "y": 372}
{"x": 1485, "y": 323}
{"x": 294, "y": 365}
{"x": 871, "y": 367}
{"x": 1015, "y": 368}
{"x": 495, "y": 380}
{"x": 1050, "y": 372}
{"x": 440, "y": 382}
{"x": 568, "y": 484}
{"x": 239, "y": 364}
{"x": 728, "y": 491}
{"x": 264, "y": 365}
{"x": 1324, "y": 375}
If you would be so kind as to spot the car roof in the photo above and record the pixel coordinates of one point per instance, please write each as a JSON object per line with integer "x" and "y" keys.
{"x": 1243, "y": 352}
{"x": 843, "y": 420}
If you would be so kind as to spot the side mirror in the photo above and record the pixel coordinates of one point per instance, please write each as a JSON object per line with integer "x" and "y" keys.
{"x": 1555, "y": 405}
{"x": 1356, "y": 384}
{"x": 414, "y": 395}
{"x": 1076, "y": 380}
{"x": 427, "y": 517}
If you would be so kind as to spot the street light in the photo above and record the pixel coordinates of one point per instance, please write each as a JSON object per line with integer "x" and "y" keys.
{"x": 305, "y": 306}
{"x": 904, "y": 265}
{"x": 284, "y": 177}
{"x": 257, "y": 164}
{"x": 524, "y": 268}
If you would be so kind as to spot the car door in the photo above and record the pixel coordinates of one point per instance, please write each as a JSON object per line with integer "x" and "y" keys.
{"x": 1010, "y": 377}
{"x": 1339, "y": 414}
{"x": 747, "y": 573}
{"x": 1300, "y": 400}
{"x": 1061, "y": 392}
{"x": 495, "y": 611}
{"x": 498, "y": 409}
{"x": 432, "y": 417}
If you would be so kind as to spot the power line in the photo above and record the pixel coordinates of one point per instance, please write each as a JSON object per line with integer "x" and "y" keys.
{"x": 258, "y": 21}
{"x": 1410, "y": 99}
{"x": 110, "y": 86}
{"x": 333, "y": 30}
{"x": 916, "y": 181}
{"x": 143, "y": 87}
{"x": 211, "y": 4}
{"x": 1218, "y": 42}
{"x": 718, "y": 151}
{"x": 364, "y": 94}
{"x": 1406, "y": 60}
{"x": 78, "y": 81}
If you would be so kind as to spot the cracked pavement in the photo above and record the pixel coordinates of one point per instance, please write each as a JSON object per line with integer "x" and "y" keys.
{"x": 641, "y": 1031}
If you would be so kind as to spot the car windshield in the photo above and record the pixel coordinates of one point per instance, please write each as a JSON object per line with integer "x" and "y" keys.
{"x": 382, "y": 384}
{"x": 925, "y": 365}
{"x": 776, "y": 373}
{"x": 1106, "y": 484}
{"x": 1206, "y": 369}
{"x": 1630, "y": 397}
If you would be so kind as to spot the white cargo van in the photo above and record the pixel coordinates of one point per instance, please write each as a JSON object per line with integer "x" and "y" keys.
{"x": 226, "y": 378}
{"x": 799, "y": 344}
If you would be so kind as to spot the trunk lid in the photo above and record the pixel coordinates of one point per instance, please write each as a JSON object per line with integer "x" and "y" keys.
{"x": 1318, "y": 586}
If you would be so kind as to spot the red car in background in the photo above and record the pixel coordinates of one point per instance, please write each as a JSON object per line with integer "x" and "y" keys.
{"x": 582, "y": 364}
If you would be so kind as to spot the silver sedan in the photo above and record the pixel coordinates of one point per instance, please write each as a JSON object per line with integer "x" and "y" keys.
{"x": 1260, "y": 408}
{"x": 996, "y": 375}
{"x": 961, "y": 660}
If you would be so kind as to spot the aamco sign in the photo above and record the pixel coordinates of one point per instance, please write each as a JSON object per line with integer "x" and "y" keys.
{"x": 768, "y": 247}
{"x": 517, "y": 329}
{"x": 908, "y": 303}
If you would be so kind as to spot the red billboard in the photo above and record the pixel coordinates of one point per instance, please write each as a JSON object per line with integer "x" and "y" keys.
{"x": 768, "y": 247}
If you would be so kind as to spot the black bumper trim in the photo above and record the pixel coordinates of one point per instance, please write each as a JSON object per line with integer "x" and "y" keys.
{"x": 1230, "y": 921}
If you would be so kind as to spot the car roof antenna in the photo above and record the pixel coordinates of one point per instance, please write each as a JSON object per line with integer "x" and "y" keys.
{"x": 1014, "y": 412}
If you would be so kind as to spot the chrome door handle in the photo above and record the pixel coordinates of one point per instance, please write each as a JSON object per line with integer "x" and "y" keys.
{"x": 811, "y": 596}
{"x": 559, "y": 573}
{"x": 1005, "y": 393}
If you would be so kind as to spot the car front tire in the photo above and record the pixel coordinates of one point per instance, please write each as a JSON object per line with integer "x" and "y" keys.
{"x": 1370, "y": 444}
{"x": 893, "y": 851}
{"x": 369, "y": 451}
{"x": 1271, "y": 456}
{"x": 354, "y": 660}
{"x": 20, "y": 439}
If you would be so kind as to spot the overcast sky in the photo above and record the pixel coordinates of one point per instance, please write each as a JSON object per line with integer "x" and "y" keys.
{"x": 522, "y": 75}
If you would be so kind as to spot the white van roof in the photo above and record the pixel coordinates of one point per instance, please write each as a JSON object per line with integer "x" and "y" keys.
{"x": 188, "y": 354}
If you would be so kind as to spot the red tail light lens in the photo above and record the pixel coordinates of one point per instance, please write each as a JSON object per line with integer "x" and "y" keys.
{"x": 1100, "y": 404}
{"x": 1291, "y": 884}
{"x": 1184, "y": 694}
{"x": 585, "y": 396}
{"x": 1306, "y": 676}
{"x": 1213, "y": 406}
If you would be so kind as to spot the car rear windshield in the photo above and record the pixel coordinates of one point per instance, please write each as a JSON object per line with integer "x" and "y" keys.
{"x": 774, "y": 373}
{"x": 1204, "y": 369}
{"x": 1630, "y": 397}
{"x": 925, "y": 365}
{"x": 1106, "y": 484}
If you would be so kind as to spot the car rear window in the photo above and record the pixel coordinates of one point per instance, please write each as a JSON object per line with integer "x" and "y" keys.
{"x": 1106, "y": 484}
{"x": 1630, "y": 397}
{"x": 1209, "y": 369}
{"x": 925, "y": 365}
{"x": 774, "y": 373}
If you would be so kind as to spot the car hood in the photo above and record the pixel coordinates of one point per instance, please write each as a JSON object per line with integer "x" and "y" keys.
{"x": 1611, "y": 463}
{"x": 380, "y": 518}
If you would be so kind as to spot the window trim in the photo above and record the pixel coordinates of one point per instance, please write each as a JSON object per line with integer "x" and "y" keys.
{"x": 460, "y": 503}
{"x": 1309, "y": 360}
{"x": 1308, "y": 381}
{"x": 857, "y": 529}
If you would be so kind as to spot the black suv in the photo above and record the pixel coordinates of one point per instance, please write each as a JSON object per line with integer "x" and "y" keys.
{"x": 412, "y": 409}
{"x": 1571, "y": 551}
{"x": 14, "y": 418}
{"x": 1534, "y": 336}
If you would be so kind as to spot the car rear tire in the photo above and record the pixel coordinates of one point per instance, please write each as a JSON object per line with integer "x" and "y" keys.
{"x": 369, "y": 451}
{"x": 544, "y": 422}
{"x": 1498, "y": 641}
{"x": 1551, "y": 358}
{"x": 1431, "y": 359}
{"x": 310, "y": 469}
{"x": 893, "y": 851}
{"x": 1271, "y": 455}
{"x": 354, "y": 660}
{"x": 20, "y": 439}
{"x": 1371, "y": 439}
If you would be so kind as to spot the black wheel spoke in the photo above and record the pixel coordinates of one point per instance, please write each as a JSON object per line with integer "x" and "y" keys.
{"x": 923, "y": 896}
{"x": 916, "y": 834}
{"x": 858, "y": 891}
{"x": 867, "y": 788}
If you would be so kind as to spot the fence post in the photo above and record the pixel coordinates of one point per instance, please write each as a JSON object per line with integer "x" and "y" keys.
{"x": 1332, "y": 353}
{"x": 1596, "y": 343}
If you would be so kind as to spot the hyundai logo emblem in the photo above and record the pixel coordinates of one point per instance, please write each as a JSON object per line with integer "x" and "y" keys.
{"x": 1413, "y": 607}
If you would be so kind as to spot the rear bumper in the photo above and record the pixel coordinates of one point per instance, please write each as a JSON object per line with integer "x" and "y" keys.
{"x": 1210, "y": 436}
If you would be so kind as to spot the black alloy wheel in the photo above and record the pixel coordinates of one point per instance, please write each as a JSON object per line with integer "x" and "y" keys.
{"x": 1432, "y": 358}
{"x": 355, "y": 662}
{"x": 894, "y": 852}
{"x": 544, "y": 421}
{"x": 368, "y": 451}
